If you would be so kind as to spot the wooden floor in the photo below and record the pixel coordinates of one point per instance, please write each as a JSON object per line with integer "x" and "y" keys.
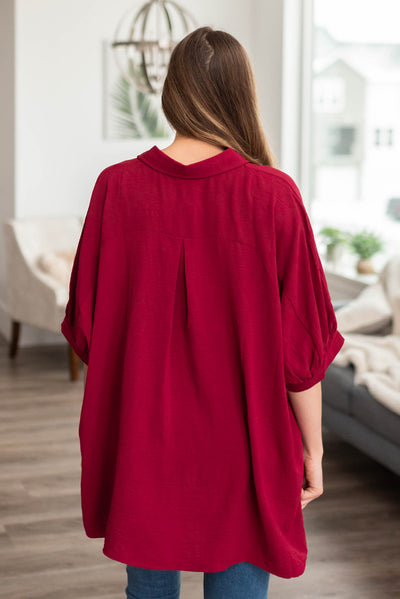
{"x": 353, "y": 529}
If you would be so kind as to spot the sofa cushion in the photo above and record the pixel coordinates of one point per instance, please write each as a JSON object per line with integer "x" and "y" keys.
{"x": 367, "y": 410}
{"x": 337, "y": 386}
{"x": 368, "y": 313}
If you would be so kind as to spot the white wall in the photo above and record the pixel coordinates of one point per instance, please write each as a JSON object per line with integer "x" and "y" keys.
{"x": 7, "y": 101}
{"x": 58, "y": 99}
{"x": 267, "y": 42}
{"x": 59, "y": 109}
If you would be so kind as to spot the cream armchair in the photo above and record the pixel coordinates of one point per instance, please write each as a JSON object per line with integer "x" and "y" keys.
{"x": 38, "y": 254}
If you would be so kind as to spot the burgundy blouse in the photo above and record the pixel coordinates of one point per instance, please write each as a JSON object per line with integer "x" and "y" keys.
{"x": 197, "y": 298}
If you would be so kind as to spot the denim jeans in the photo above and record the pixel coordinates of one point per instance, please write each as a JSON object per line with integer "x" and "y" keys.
{"x": 240, "y": 581}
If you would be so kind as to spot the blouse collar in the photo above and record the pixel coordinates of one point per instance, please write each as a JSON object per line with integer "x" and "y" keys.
{"x": 226, "y": 160}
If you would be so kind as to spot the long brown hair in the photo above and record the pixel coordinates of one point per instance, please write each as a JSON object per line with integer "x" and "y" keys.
{"x": 209, "y": 93}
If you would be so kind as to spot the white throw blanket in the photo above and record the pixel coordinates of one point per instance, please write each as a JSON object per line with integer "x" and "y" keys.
{"x": 376, "y": 358}
{"x": 389, "y": 277}
{"x": 377, "y": 365}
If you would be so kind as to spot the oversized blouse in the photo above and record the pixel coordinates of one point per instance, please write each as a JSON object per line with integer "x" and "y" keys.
{"x": 198, "y": 300}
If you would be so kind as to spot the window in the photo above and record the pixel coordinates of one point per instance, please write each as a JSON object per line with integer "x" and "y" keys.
{"x": 383, "y": 137}
{"x": 348, "y": 168}
{"x": 329, "y": 94}
{"x": 341, "y": 140}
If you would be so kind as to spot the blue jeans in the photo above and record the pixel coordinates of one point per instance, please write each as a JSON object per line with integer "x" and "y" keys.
{"x": 240, "y": 581}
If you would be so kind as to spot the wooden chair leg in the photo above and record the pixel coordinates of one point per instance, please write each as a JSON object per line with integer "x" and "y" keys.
{"x": 74, "y": 364}
{"x": 15, "y": 330}
{"x": 74, "y": 359}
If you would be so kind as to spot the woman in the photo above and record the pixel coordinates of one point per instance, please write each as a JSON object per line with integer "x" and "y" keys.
{"x": 198, "y": 298}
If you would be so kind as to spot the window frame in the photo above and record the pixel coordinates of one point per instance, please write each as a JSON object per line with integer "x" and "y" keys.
{"x": 297, "y": 101}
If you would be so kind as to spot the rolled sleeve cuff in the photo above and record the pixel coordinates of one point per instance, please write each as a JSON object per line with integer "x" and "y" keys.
{"x": 334, "y": 344}
{"x": 79, "y": 346}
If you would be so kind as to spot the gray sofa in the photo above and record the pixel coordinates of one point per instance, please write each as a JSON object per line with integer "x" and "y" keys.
{"x": 354, "y": 414}
{"x": 351, "y": 412}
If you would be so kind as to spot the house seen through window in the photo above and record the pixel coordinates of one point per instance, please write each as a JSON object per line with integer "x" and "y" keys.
{"x": 355, "y": 120}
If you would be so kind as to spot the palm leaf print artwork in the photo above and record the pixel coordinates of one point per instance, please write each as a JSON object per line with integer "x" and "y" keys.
{"x": 135, "y": 114}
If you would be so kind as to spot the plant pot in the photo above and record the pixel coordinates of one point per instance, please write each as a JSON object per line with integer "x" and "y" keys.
{"x": 365, "y": 266}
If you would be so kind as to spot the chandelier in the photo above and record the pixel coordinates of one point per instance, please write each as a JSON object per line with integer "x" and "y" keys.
{"x": 143, "y": 42}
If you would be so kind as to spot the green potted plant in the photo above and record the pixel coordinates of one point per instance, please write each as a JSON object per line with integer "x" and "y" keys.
{"x": 365, "y": 244}
{"x": 334, "y": 240}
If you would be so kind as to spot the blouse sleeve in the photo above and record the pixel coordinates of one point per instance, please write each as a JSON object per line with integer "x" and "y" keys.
{"x": 310, "y": 336}
{"x": 77, "y": 324}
